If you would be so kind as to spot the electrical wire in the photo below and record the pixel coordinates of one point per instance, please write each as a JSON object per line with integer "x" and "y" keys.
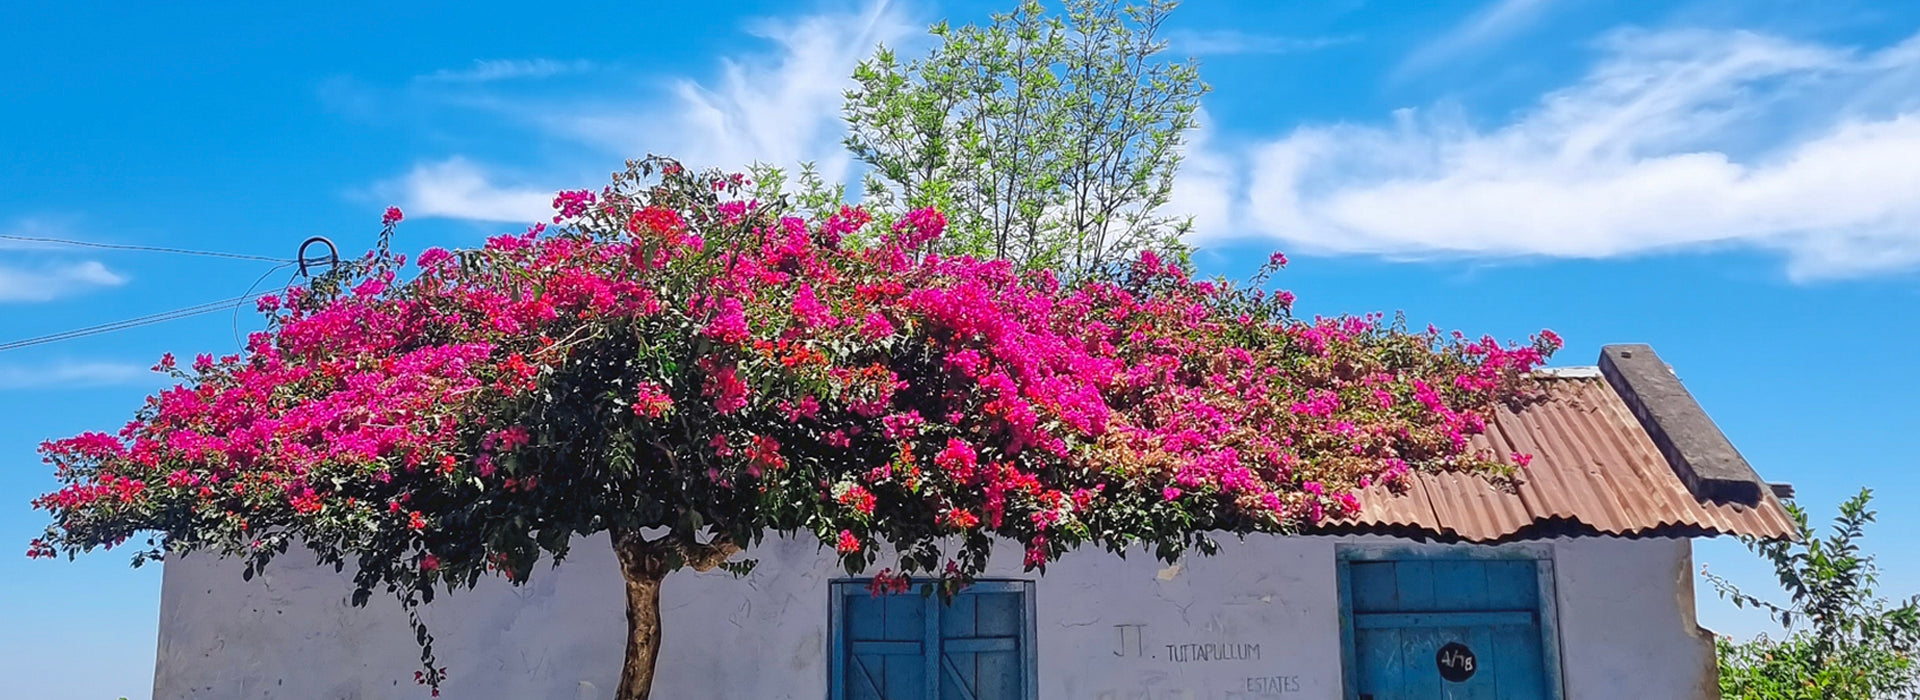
{"x": 256, "y": 285}
{"x": 162, "y": 317}
{"x": 145, "y": 249}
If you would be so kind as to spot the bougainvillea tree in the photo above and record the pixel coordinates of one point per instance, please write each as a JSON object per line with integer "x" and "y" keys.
{"x": 690, "y": 372}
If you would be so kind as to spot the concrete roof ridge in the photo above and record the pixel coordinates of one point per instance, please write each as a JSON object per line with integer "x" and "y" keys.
{"x": 1699, "y": 453}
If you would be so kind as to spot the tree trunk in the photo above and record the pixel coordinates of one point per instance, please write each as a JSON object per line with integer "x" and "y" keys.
{"x": 643, "y": 639}
{"x": 644, "y": 564}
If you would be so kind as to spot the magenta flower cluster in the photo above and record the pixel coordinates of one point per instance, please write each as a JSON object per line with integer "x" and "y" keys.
{"x": 671, "y": 354}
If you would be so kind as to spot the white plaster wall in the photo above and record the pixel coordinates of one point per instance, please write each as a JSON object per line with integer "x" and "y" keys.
{"x": 1626, "y": 628}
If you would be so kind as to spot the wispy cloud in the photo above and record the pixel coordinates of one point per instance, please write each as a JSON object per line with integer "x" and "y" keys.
{"x": 487, "y": 71}
{"x": 1491, "y": 24}
{"x": 1221, "y": 42}
{"x": 459, "y": 189}
{"x": 74, "y": 374}
{"x": 21, "y": 282}
{"x": 1674, "y": 140}
{"x": 777, "y": 106}
{"x": 1209, "y": 183}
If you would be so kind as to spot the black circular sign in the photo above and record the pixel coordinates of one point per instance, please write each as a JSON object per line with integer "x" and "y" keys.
{"x": 1456, "y": 662}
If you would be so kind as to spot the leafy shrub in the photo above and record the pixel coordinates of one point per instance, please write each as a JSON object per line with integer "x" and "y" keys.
{"x": 1840, "y": 641}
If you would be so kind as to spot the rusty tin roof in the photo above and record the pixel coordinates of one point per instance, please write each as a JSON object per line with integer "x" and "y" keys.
{"x": 1595, "y": 470}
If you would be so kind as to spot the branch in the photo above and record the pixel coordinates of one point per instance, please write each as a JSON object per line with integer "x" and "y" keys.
{"x": 704, "y": 557}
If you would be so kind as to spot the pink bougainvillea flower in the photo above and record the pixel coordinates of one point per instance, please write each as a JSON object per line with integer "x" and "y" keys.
{"x": 671, "y": 356}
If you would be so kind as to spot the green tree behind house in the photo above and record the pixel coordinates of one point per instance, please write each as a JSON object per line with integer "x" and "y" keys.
{"x": 1051, "y": 139}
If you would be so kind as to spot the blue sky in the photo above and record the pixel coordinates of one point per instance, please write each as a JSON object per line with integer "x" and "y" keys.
{"x": 1732, "y": 182}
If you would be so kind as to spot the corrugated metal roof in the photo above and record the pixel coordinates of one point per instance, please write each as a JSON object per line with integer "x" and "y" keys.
{"x": 1595, "y": 470}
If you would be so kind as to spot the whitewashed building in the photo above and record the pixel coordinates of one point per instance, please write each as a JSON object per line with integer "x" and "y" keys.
{"x": 1577, "y": 584}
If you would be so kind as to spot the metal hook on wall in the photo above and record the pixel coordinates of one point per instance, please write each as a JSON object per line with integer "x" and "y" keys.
{"x": 332, "y": 258}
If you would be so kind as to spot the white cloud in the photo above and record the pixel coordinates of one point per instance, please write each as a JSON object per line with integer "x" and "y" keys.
{"x": 73, "y": 374}
{"x": 486, "y": 71}
{"x": 457, "y": 188}
{"x": 1494, "y": 22}
{"x": 780, "y": 108}
{"x": 1679, "y": 139}
{"x": 777, "y": 107}
{"x": 1208, "y": 183}
{"x": 1217, "y": 42}
{"x": 49, "y": 281}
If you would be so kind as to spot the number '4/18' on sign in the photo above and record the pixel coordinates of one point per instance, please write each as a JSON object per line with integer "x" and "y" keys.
{"x": 1456, "y": 662}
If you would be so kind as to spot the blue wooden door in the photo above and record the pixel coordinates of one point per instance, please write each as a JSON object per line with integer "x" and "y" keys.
{"x": 1447, "y": 629}
{"x": 886, "y": 647}
{"x": 981, "y": 654}
{"x": 911, "y": 646}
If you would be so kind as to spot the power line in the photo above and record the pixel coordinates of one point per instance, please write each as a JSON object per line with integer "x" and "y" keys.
{"x": 235, "y": 303}
{"x": 256, "y": 285}
{"x": 162, "y": 317}
{"x": 144, "y": 248}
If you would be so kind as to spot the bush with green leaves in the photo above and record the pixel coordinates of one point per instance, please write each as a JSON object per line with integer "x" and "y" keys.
{"x": 1841, "y": 640}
